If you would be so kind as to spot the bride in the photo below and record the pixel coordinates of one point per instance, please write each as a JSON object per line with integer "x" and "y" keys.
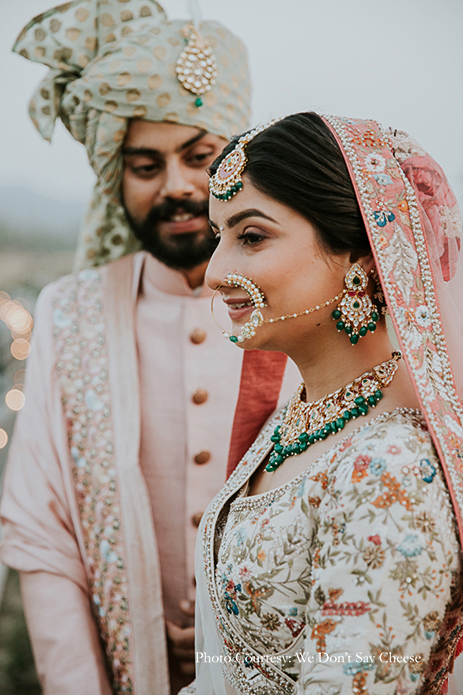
{"x": 330, "y": 562}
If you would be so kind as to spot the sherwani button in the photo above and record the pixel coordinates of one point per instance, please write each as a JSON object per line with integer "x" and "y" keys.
{"x": 196, "y": 518}
{"x": 197, "y": 336}
{"x": 202, "y": 457}
{"x": 200, "y": 396}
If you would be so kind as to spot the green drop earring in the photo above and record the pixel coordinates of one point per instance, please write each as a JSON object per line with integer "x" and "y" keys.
{"x": 356, "y": 314}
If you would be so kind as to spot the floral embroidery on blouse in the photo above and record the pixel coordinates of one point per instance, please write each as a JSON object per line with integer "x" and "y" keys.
{"x": 358, "y": 558}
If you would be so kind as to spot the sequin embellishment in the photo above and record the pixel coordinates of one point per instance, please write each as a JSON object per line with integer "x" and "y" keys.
{"x": 82, "y": 367}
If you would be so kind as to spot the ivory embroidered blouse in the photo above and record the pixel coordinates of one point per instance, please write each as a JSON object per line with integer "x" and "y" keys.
{"x": 346, "y": 579}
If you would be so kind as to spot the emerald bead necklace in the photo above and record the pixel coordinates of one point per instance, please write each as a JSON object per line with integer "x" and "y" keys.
{"x": 306, "y": 423}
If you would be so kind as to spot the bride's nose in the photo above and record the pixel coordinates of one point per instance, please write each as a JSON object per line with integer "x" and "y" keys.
{"x": 220, "y": 264}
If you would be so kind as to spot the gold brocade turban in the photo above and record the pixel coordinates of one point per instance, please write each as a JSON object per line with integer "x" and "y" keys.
{"x": 112, "y": 60}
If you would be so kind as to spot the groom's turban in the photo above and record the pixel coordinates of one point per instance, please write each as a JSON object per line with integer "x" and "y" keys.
{"x": 112, "y": 60}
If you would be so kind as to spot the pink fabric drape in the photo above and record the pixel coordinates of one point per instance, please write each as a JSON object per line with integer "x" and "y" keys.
{"x": 413, "y": 223}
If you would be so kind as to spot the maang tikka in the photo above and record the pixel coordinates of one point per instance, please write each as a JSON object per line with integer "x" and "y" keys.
{"x": 356, "y": 314}
{"x": 226, "y": 181}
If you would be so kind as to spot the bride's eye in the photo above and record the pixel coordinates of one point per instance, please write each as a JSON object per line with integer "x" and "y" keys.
{"x": 250, "y": 238}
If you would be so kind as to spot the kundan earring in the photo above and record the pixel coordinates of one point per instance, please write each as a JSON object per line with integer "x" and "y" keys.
{"x": 356, "y": 314}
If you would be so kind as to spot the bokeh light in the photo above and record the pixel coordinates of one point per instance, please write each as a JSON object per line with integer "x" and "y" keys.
{"x": 15, "y": 399}
{"x": 3, "y": 438}
{"x": 20, "y": 348}
{"x": 16, "y": 317}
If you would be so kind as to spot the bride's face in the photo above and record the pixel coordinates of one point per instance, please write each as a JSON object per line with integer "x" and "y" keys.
{"x": 278, "y": 249}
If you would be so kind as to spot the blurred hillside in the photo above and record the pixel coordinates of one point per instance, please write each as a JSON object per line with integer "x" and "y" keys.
{"x": 30, "y": 221}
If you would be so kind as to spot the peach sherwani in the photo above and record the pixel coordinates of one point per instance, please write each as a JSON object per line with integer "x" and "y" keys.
{"x": 130, "y": 390}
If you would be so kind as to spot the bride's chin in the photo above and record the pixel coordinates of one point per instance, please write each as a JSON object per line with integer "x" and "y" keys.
{"x": 257, "y": 342}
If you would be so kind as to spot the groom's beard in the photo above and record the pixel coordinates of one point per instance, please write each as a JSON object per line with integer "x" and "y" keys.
{"x": 181, "y": 251}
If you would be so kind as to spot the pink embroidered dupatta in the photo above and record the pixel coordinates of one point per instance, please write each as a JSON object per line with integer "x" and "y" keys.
{"x": 413, "y": 222}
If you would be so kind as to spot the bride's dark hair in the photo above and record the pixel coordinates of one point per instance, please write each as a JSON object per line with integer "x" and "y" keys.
{"x": 298, "y": 162}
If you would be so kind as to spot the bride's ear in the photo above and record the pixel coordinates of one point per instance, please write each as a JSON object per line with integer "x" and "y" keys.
{"x": 367, "y": 263}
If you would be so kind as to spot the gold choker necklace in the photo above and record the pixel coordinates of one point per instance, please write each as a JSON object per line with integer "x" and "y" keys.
{"x": 306, "y": 423}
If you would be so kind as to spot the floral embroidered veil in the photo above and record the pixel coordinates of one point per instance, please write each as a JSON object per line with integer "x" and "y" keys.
{"x": 413, "y": 222}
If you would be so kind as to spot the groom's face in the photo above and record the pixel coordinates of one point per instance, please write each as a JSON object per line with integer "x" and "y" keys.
{"x": 165, "y": 190}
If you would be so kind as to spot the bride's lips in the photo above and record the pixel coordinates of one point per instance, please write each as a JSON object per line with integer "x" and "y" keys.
{"x": 236, "y": 310}
{"x": 184, "y": 224}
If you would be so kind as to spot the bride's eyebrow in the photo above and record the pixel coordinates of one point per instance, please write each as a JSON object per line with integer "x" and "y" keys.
{"x": 243, "y": 215}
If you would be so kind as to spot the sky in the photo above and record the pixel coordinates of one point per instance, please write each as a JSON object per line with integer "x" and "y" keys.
{"x": 399, "y": 62}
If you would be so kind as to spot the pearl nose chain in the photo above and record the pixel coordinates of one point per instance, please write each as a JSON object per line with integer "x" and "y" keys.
{"x": 258, "y": 301}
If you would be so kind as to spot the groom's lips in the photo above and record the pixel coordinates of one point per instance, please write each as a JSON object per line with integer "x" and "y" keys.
{"x": 184, "y": 224}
